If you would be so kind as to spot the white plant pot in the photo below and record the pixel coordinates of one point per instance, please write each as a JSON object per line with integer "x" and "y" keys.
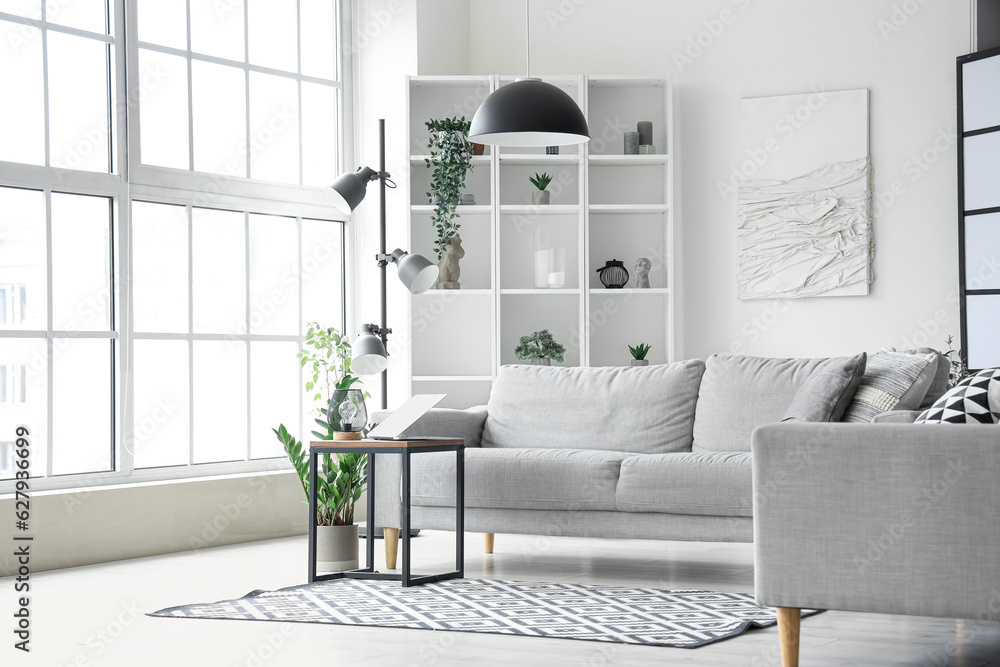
{"x": 540, "y": 197}
{"x": 640, "y": 362}
{"x": 545, "y": 361}
{"x": 336, "y": 548}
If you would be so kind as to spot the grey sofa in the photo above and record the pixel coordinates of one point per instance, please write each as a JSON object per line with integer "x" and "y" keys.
{"x": 659, "y": 452}
{"x": 887, "y": 517}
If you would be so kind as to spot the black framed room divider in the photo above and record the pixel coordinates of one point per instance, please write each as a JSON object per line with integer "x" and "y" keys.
{"x": 979, "y": 207}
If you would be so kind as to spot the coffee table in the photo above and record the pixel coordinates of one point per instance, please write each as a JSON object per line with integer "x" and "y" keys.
{"x": 405, "y": 449}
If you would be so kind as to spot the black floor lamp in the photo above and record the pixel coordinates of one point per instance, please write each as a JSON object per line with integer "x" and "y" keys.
{"x": 369, "y": 355}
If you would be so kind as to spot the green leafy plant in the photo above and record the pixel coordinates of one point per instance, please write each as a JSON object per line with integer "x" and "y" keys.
{"x": 450, "y": 162}
{"x": 539, "y": 345}
{"x": 959, "y": 369}
{"x": 639, "y": 351}
{"x": 342, "y": 478}
{"x": 540, "y": 181}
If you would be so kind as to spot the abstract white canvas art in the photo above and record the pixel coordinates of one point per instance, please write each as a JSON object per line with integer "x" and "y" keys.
{"x": 804, "y": 199}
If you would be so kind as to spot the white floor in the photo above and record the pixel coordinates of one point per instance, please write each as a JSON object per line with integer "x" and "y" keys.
{"x": 95, "y": 616}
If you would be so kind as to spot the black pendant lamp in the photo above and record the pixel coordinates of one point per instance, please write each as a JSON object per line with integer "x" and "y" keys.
{"x": 529, "y": 112}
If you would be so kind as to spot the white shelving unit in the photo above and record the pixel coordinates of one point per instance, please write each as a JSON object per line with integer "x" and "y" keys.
{"x": 605, "y": 205}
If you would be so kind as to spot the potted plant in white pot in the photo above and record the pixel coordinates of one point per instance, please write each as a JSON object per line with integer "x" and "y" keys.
{"x": 343, "y": 478}
{"x": 539, "y": 349}
{"x": 639, "y": 353}
{"x": 450, "y": 162}
{"x": 540, "y": 196}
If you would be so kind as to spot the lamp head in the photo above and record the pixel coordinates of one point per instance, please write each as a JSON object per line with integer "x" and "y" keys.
{"x": 415, "y": 271}
{"x": 349, "y": 189}
{"x": 529, "y": 112}
{"x": 368, "y": 355}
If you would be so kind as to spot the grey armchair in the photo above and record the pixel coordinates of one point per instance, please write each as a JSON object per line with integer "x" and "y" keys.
{"x": 885, "y": 518}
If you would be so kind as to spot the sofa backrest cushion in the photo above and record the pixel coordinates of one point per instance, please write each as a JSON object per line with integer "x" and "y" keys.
{"x": 646, "y": 410}
{"x": 740, "y": 393}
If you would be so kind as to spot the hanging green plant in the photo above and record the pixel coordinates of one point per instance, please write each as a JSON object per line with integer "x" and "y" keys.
{"x": 450, "y": 161}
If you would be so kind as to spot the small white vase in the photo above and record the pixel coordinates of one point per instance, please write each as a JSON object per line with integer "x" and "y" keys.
{"x": 336, "y": 548}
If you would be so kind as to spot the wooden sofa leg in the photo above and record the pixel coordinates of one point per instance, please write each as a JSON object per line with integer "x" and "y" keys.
{"x": 488, "y": 543}
{"x": 789, "y": 620}
{"x": 391, "y": 546}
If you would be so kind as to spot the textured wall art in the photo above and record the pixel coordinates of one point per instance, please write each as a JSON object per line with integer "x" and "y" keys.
{"x": 804, "y": 196}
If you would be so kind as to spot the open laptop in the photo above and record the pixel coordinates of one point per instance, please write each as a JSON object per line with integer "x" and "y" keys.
{"x": 404, "y": 417}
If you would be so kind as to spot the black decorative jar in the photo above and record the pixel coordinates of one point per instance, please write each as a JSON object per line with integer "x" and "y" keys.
{"x": 613, "y": 274}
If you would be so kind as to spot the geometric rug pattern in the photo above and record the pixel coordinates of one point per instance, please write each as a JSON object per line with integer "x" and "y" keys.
{"x": 976, "y": 399}
{"x": 686, "y": 618}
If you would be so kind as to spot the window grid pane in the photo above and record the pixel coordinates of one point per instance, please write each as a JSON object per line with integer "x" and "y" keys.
{"x": 278, "y": 146}
{"x": 77, "y": 250}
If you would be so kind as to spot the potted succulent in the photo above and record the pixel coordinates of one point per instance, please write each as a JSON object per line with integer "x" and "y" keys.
{"x": 540, "y": 196}
{"x": 341, "y": 479}
{"x": 539, "y": 349}
{"x": 639, "y": 353}
{"x": 450, "y": 161}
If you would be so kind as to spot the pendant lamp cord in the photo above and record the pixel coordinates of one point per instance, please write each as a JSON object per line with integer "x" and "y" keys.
{"x": 527, "y": 42}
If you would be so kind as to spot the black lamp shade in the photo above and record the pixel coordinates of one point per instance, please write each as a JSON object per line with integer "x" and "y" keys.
{"x": 349, "y": 189}
{"x": 368, "y": 355}
{"x": 529, "y": 112}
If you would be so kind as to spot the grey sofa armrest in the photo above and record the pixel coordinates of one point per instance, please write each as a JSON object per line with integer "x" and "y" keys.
{"x": 890, "y": 518}
{"x": 467, "y": 424}
{"x": 897, "y": 417}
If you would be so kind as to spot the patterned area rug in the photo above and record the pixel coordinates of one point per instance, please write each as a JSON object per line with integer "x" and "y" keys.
{"x": 686, "y": 619}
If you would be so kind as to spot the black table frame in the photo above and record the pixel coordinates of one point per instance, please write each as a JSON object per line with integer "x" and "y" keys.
{"x": 405, "y": 450}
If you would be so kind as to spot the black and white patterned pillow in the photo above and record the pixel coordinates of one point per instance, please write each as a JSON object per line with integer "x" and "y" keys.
{"x": 974, "y": 400}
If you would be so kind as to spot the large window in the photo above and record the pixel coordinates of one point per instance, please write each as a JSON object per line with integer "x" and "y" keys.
{"x": 149, "y": 324}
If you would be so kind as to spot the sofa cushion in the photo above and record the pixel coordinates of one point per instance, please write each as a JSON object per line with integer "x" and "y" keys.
{"x": 939, "y": 369}
{"x": 739, "y": 393}
{"x": 646, "y": 410}
{"x": 892, "y": 381}
{"x": 828, "y": 391}
{"x": 974, "y": 400}
{"x": 541, "y": 479}
{"x": 705, "y": 483}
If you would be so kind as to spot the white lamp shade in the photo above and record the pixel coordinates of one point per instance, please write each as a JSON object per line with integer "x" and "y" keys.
{"x": 368, "y": 355}
{"x": 417, "y": 273}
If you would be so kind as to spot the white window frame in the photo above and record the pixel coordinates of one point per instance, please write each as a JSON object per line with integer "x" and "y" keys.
{"x": 134, "y": 181}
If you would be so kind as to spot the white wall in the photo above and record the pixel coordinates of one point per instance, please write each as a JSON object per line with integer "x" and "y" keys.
{"x": 443, "y": 36}
{"x": 720, "y": 51}
{"x": 385, "y": 52}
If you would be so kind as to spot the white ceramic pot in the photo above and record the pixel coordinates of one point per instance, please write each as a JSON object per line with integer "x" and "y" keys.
{"x": 640, "y": 362}
{"x": 540, "y": 197}
{"x": 336, "y": 548}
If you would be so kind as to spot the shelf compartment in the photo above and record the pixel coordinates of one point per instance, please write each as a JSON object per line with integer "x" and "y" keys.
{"x": 477, "y": 182}
{"x": 517, "y": 248}
{"x": 623, "y": 320}
{"x": 442, "y": 97}
{"x": 477, "y": 241}
{"x": 523, "y": 314}
{"x": 627, "y": 237}
{"x": 451, "y": 336}
{"x": 516, "y": 189}
{"x": 634, "y": 184}
{"x": 615, "y": 106}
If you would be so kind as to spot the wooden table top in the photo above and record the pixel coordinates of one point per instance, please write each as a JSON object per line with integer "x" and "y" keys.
{"x": 385, "y": 444}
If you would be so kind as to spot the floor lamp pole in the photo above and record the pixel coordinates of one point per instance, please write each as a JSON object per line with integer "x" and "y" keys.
{"x": 382, "y": 251}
